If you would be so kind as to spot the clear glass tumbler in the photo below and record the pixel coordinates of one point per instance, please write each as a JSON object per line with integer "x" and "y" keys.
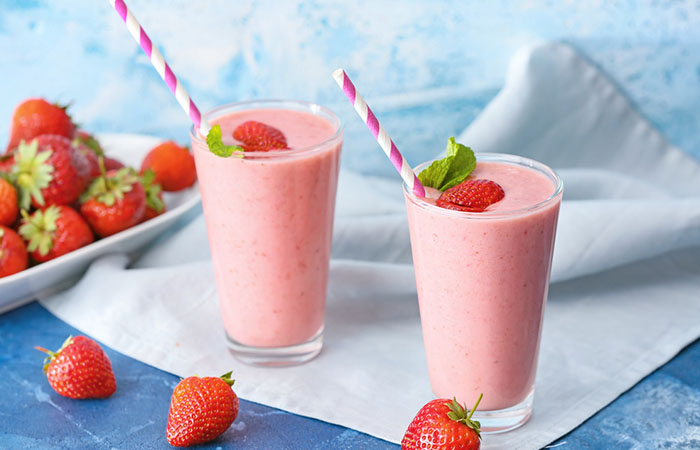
{"x": 269, "y": 217}
{"x": 482, "y": 281}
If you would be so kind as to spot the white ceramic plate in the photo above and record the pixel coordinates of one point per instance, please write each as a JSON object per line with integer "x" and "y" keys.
{"x": 53, "y": 275}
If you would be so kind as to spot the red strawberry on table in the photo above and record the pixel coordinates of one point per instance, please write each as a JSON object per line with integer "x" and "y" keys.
{"x": 49, "y": 170}
{"x": 201, "y": 409}
{"x": 173, "y": 166}
{"x": 114, "y": 202}
{"x": 259, "y": 137}
{"x": 54, "y": 231}
{"x": 154, "y": 196}
{"x": 443, "y": 424}
{"x": 8, "y": 203}
{"x": 471, "y": 196}
{"x": 13, "y": 253}
{"x": 80, "y": 369}
{"x": 36, "y": 116}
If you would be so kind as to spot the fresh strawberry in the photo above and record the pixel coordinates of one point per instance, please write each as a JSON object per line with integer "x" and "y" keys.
{"x": 8, "y": 203}
{"x": 90, "y": 156}
{"x": 13, "y": 253}
{"x": 259, "y": 137}
{"x": 201, "y": 409}
{"x": 173, "y": 165}
{"x": 471, "y": 196}
{"x": 54, "y": 231}
{"x": 443, "y": 424}
{"x": 80, "y": 369}
{"x": 113, "y": 164}
{"x": 114, "y": 202}
{"x": 154, "y": 196}
{"x": 36, "y": 116}
{"x": 50, "y": 171}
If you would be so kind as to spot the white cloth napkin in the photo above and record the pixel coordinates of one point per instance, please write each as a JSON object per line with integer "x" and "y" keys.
{"x": 626, "y": 273}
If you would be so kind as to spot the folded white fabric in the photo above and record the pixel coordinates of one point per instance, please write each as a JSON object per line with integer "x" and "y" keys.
{"x": 626, "y": 272}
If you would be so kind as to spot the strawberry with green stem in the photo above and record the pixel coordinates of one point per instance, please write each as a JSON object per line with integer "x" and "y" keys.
{"x": 49, "y": 171}
{"x": 443, "y": 424}
{"x": 201, "y": 409}
{"x": 173, "y": 166}
{"x": 79, "y": 369}
{"x": 35, "y": 117}
{"x": 114, "y": 201}
{"x": 54, "y": 231}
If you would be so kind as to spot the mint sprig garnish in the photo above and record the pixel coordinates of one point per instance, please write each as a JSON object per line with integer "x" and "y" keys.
{"x": 216, "y": 144}
{"x": 450, "y": 170}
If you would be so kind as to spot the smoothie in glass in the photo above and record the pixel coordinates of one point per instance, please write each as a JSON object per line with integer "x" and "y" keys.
{"x": 269, "y": 217}
{"x": 482, "y": 281}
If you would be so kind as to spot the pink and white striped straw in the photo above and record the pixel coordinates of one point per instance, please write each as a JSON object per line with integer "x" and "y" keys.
{"x": 379, "y": 133}
{"x": 162, "y": 67}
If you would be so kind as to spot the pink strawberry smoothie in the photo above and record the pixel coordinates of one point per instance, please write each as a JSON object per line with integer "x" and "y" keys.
{"x": 482, "y": 281}
{"x": 269, "y": 218}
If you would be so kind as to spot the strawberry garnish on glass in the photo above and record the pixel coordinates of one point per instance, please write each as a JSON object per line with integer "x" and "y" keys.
{"x": 259, "y": 137}
{"x": 471, "y": 196}
{"x": 443, "y": 424}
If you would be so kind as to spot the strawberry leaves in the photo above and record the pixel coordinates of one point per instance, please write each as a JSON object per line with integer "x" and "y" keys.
{"x": 108, "y": 189}
{"x": 32, "y": 172}
{"x": 153, "y": 190}
{"x": 459, "y": 414}
{"x": 39, "y": 229}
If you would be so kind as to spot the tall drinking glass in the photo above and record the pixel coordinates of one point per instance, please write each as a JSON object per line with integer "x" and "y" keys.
{"x": 269, "y": 218}
{"x": 482, "y": 280}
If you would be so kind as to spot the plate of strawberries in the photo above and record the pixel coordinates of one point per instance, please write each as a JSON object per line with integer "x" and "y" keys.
{"x": 68, "y": 197}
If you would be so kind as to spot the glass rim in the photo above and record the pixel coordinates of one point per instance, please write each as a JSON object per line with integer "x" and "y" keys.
{"x": 313, "y": 108}
{"x": 493, "y": 157}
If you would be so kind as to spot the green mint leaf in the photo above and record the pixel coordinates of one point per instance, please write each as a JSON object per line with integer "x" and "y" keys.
{"x": 463, "y": 164}
{"x": 434, "y": 175}
{"x": 450, "y": 170}
{"x": 216, "y": 144}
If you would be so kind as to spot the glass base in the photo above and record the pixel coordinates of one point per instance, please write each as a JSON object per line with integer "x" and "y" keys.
{"x": 277, "y": 356}
{"x": 502, "y": 420}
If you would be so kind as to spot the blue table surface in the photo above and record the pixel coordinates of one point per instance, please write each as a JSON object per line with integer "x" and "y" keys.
{"x": 662, "y": 411}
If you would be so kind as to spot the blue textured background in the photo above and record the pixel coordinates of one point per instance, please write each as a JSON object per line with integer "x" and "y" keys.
{"x": 427, "y": 68}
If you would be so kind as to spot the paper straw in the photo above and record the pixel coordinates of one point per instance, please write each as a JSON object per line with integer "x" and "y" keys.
{"x": 379, "y": 133}
{"x": 162, "y": 67}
